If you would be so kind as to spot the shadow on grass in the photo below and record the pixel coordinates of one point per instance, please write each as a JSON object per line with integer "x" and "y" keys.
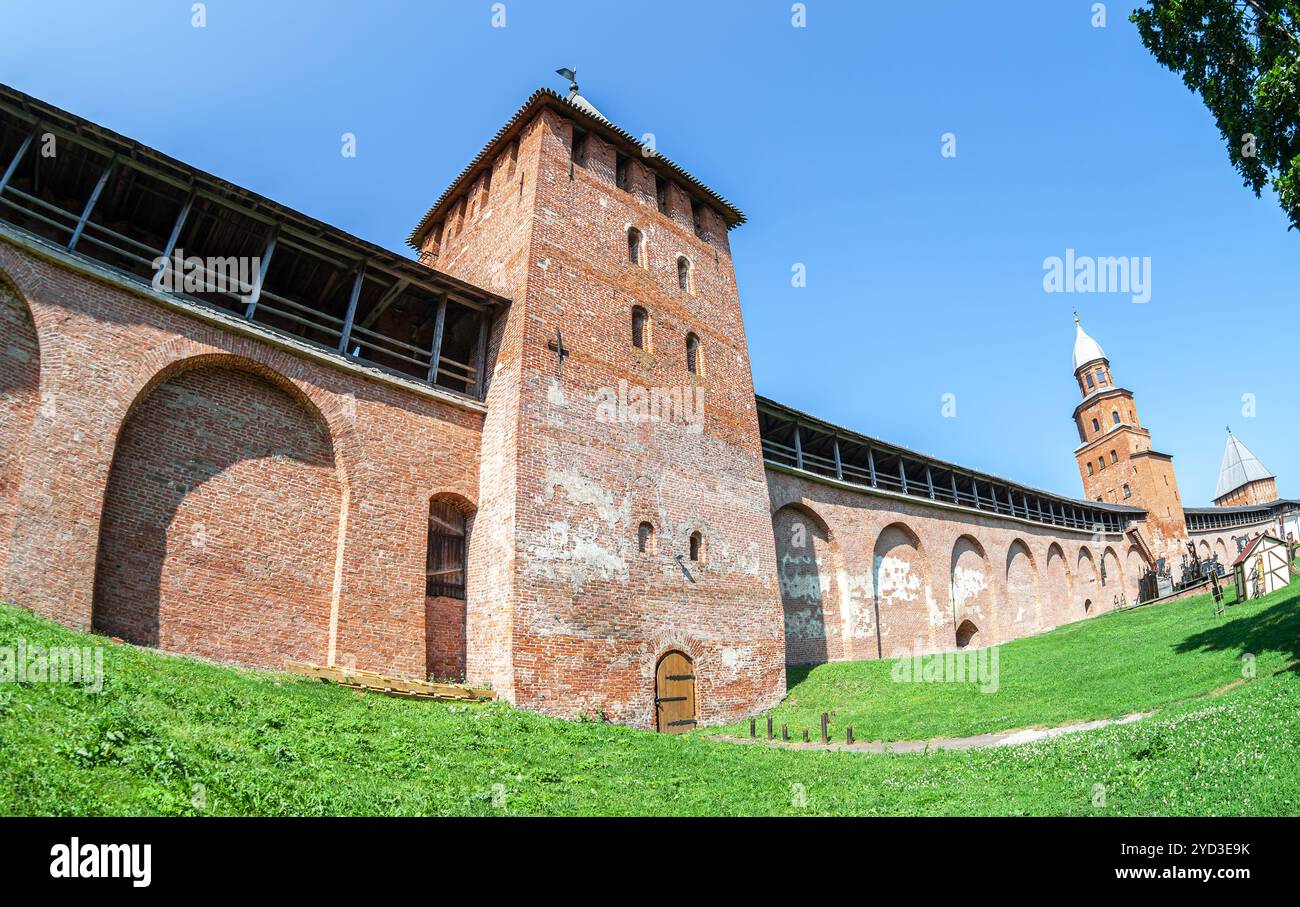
{"x": 1276, "y": 628}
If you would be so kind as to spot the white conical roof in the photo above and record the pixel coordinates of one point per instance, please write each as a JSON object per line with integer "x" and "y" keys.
{"x": 1239, "y": 467}
{"x": 1085, "y": 348}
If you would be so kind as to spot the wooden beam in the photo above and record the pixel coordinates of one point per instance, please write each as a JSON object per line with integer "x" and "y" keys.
{"x": 480, "y": 355}
{"x": 18, "y": 158}
{"x": 261, "y": 271}
{"x": 179, "y": 225}
{"x": 351, "y": 315}
{"x": 385, "y": 301}
{"x": 90, "y": 204}
{"x": 436, "y": 352}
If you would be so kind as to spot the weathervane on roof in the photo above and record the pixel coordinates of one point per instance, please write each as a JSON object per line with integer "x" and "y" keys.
{"x": 572, "y": 76}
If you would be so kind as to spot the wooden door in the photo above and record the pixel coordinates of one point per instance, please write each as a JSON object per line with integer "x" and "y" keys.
{"x": 675, "y": 694}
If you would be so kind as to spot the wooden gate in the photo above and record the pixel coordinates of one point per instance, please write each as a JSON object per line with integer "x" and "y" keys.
{"x": 675, "y": 694}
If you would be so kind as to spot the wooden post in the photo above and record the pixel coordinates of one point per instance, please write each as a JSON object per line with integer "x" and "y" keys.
{"x": 90, "y": 204}
{"x": 753, "y": 727}
{"x": 435, "y": 355}
{"x": 18, "y": 158}
{"x": 805, "y": 735}
{"x": 825, "y": 734}
{"x": 350, "y": 316}
{"x": 785, "y": 733}
{"x": 769, "y": 727}
{"x": 848, "y": 734}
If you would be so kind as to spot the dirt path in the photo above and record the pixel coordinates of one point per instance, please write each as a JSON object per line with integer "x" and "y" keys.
{"x": 979, "y": 741}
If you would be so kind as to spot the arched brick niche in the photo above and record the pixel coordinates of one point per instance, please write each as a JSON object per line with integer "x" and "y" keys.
{"x": 20, "y": 375}
{"x": 219, "y": 533}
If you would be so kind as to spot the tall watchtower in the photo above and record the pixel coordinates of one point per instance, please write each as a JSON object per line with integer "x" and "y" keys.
{"x": 1115, "y": 457}
{"x": 623, "y": 507}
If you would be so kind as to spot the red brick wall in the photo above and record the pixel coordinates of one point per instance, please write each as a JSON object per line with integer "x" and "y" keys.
{"x": 445, "y": 639}
{"x": 907, "y": 573}
{"x": 106, "y": 350}
{"x": 20, "y": 391}
{"x": 220, "y": 523}
{"x": 1262, "y": 491}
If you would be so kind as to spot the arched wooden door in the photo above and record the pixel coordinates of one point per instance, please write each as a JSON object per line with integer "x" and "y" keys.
{"x": 675, "y": 694}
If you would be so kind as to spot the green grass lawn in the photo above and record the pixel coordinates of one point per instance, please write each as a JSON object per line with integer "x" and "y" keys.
{"x": 1103, "y": 667}
{"x": 261, "y": 743}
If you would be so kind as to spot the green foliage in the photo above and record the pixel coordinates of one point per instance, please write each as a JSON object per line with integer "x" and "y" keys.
{"x": 1103, "y": 667}
{"x": 172, "y": 736}
{"x": 1243, "y": 58}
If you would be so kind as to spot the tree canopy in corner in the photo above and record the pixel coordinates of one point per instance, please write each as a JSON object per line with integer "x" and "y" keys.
{"x": 1243, "y": 58}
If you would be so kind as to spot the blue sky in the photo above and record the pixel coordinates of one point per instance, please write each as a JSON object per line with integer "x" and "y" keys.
{"x": 924, "y": 273}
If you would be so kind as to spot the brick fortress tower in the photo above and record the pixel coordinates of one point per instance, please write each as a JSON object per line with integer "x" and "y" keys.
{"x": 1115, "y": 457}
{"x": 623, "y": 510}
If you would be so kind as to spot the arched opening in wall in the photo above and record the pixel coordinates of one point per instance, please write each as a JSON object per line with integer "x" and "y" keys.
{"x": 1221, "y": 549}
{"x": 1134, "y": 567}
{"x": 20, "y": 379}
{"x": 901, "y": 577}
{"x": 645, "y": 538}
{"x": 676, "y": 708}
{"x": 966, "y": 633}
{"x": 971, "y": 591}
{"x": 695, "y": 546}
{"x": 635, "y": 247}
{"x": 640, "y": 328}
{"x": 446, "y": 574}
{"x": 1204, "y": 551}
{"x": 1087, "y": 580}
{"x": 807, "y": 568}
{"x": 1022, "y": 591}
{"x": 1112, "y": 580}
{"x": 219, "y": 533}
{"x": 683, "y": 274}
{"x": 694, "y": 355}
{"x": 1059, "y": 592}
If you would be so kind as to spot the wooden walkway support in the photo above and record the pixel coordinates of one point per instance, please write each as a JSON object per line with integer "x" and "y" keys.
{"x": 392, "y": 686}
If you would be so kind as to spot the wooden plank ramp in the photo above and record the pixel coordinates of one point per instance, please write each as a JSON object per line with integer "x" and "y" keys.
{"x": 391, "y": 686}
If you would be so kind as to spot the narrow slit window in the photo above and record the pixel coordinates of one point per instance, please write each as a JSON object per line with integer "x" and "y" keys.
{"x": 693, "y": 354}
{"x": 645, "y": 538}
{"x": 634, "y": 243}
{"x": 683, "y": 273}
{"x": 579, "y": 155}
{"x": 621, "y": 173}
{"x": 638, "y": 327}
{"x": 661, "y": 194}
{"x": 696, "y": 546}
